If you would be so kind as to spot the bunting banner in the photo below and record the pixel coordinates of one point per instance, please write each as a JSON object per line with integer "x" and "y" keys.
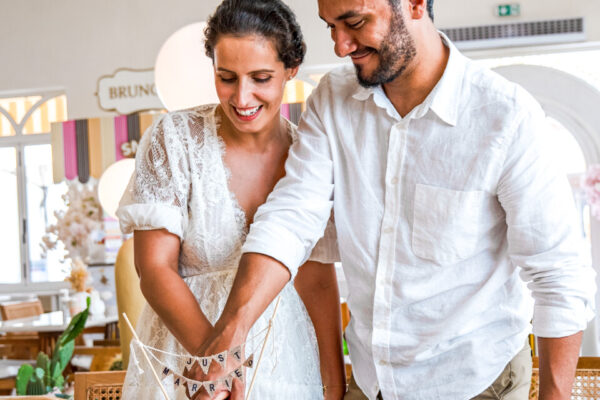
{"x": 84, "y": 148}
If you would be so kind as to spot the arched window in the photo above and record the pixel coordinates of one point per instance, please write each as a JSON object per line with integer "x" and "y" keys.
{"x": 29, "y": 196}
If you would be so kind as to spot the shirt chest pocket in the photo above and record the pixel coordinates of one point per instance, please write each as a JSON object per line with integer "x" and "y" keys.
{"x": 446, "y": 223}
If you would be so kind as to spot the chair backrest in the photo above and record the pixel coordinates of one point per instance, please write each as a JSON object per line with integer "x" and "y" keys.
{"x": 21, "y": 309}
{"x": 130, "y": 299}
{"x": 105, "y": 385}
{"x": 586, "y": 383}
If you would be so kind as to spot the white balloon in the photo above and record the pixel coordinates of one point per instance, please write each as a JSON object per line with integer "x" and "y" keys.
{"x": 183, "y": 74}
{"x": 113, "y": 183}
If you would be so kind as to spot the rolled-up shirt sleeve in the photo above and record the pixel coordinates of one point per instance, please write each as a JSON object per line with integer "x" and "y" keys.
{"x": 543, "y": 234}
{"x": 294, "y": 218}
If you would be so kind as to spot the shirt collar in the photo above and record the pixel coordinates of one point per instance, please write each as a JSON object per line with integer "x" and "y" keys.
{"x": 441, "y": 100}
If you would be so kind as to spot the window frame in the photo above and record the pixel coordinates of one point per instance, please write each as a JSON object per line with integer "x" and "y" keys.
{"x": 19, "y": 141}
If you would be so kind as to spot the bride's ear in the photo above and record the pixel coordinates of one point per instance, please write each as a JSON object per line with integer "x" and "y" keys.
{"x": 292, "y": 72}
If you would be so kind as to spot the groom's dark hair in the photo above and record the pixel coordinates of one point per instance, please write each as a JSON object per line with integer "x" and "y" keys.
{"x": 271, "y": 19}
{"x": 395, "y": 3}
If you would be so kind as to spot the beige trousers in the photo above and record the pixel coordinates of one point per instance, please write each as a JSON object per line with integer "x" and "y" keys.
{"x": 512, "y": 384}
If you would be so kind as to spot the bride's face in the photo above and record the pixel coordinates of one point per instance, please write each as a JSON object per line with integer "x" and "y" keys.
{"x": 250, "y": 80}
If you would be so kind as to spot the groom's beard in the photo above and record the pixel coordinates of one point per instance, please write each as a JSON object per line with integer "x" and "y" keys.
{"x": 395, "y": 54}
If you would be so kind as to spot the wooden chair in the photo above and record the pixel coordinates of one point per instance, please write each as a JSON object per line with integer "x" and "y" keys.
{"x": 99, "y": 385}
{"x": 130, "y": 299}
{"x": 23, "y": 345}
{"x": 587, "y": 379}
{"x": 102, "y": 356}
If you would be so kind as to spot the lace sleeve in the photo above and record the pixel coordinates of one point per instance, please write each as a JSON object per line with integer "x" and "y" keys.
{"x": 157, "y": 194}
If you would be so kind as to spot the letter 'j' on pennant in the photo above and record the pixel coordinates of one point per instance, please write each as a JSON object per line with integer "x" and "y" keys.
{"x": 211, "y": 387}
{"x": 193, "y": 388}
{"x": 221, "y": 358}
{"x": 205, "y": 364}
{"x": 189, "y": 361}
{"x": 236, "y": 353}
{"x": 249, "y": 361}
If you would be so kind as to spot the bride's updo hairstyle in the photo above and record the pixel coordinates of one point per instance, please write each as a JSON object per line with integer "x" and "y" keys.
{"x": 271, "y": 19}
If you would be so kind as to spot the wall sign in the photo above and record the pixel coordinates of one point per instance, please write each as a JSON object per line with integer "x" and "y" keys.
{"x": 128, "y": 91}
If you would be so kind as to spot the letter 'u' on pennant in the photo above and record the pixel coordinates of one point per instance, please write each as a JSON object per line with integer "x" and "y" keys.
{"x": 236, "y": 353}
{"x": 193, "y": 388}
{"x": 238, "y": 373}
{"x": 249, "y": 361}
{"x": 205, "y": 364}
{"x": 221, "y": 358}
{"x": 211, "y": 387}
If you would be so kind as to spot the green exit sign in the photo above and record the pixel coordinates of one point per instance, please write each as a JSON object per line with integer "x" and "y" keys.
{"x": 508, "y": 10}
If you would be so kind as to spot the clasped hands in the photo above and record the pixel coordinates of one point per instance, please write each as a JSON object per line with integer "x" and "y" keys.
{"x": 219, "y": 341}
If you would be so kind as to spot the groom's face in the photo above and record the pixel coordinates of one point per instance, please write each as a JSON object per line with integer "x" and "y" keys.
{"x": 373, "y": 34}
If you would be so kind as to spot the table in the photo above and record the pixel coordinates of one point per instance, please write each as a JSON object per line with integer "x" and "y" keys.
{"x": 49, "y": 327}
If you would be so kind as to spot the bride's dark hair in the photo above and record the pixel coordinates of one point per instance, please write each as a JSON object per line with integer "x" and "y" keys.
{"x": 271, "y": 19}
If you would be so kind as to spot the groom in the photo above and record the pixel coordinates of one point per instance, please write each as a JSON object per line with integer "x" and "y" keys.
{"x": 445, "y": 203}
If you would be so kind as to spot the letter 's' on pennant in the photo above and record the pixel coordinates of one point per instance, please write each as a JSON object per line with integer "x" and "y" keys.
{"x": 221, "y": 358}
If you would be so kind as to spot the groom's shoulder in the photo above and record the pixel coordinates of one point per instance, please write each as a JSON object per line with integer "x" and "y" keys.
{"x": 339, "y": 83}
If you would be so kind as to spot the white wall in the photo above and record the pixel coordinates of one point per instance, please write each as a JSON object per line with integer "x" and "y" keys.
{"x": 71, "y": 43}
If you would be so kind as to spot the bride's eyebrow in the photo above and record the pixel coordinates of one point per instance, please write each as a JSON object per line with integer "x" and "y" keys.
{"x": 258, "y": 71}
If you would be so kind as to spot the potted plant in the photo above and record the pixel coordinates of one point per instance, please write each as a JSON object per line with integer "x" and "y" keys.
{"x": 47, "y": 374}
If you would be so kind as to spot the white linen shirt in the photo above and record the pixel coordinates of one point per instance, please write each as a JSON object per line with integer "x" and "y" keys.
{"x": 437, "y": 214}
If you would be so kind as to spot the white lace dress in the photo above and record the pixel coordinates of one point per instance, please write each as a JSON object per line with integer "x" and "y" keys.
{"x": 181, "y": 184}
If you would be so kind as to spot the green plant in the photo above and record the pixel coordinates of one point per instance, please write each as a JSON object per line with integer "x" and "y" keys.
{"x": 48, "y": 372}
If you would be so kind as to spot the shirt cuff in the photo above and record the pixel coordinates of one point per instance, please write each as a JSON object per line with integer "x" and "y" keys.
{"x": 145, "y": 217}
{"x": 276, "y": 242}
{"x": 556, "y": 322}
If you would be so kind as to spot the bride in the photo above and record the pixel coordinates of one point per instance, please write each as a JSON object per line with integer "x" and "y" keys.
{"x": 200, "y": 176}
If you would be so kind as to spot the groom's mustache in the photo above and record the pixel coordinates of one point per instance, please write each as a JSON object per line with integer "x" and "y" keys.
{"x": 363, "y": 52}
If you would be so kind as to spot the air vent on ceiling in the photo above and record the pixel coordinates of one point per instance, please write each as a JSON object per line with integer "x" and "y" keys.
{"x": 517, "y": 34}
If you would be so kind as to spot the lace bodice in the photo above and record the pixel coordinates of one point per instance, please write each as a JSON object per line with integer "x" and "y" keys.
{"x": 181, "y": 184}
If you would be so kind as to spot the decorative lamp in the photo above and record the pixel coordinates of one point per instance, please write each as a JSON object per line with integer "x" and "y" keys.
{"x": 183, "y": 74}
{"x": 113, "y": 183}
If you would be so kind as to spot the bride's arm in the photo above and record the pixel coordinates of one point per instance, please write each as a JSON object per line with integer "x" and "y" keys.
{"x": 156, "y": 260}
{"x": 316, "y": 284}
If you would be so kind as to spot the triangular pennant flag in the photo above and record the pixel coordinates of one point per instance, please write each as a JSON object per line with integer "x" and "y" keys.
{"x": 193, "y": 387}
{"x": 221, "y": 358}
{"x": 205, "y": 364}
{"x": 228, "y": 382}
{"x": 166, "y": 372}
{"x": 189, "y": 362}
{"x": 249, "y": 361}
{"x": 236, "y": 353}
{"x": 211, "y": 387}
{"x": 177, "y": 380}
{"x": 238, "y": 373}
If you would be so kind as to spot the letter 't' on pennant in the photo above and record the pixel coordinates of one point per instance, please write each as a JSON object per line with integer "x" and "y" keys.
{"x": 249, "y": 361}
{"x": 238, "y": 373}
{"x": 205, "y": 364}
{"x": 236, "y": 353}
{"x": 221, "y": 358}
{"x": 211, "y": 387}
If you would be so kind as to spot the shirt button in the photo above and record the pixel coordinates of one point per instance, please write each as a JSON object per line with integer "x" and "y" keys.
{"x": 382, "y": 363}
{"x": 394, "y": 181}
{"x": 388, "y": 230}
